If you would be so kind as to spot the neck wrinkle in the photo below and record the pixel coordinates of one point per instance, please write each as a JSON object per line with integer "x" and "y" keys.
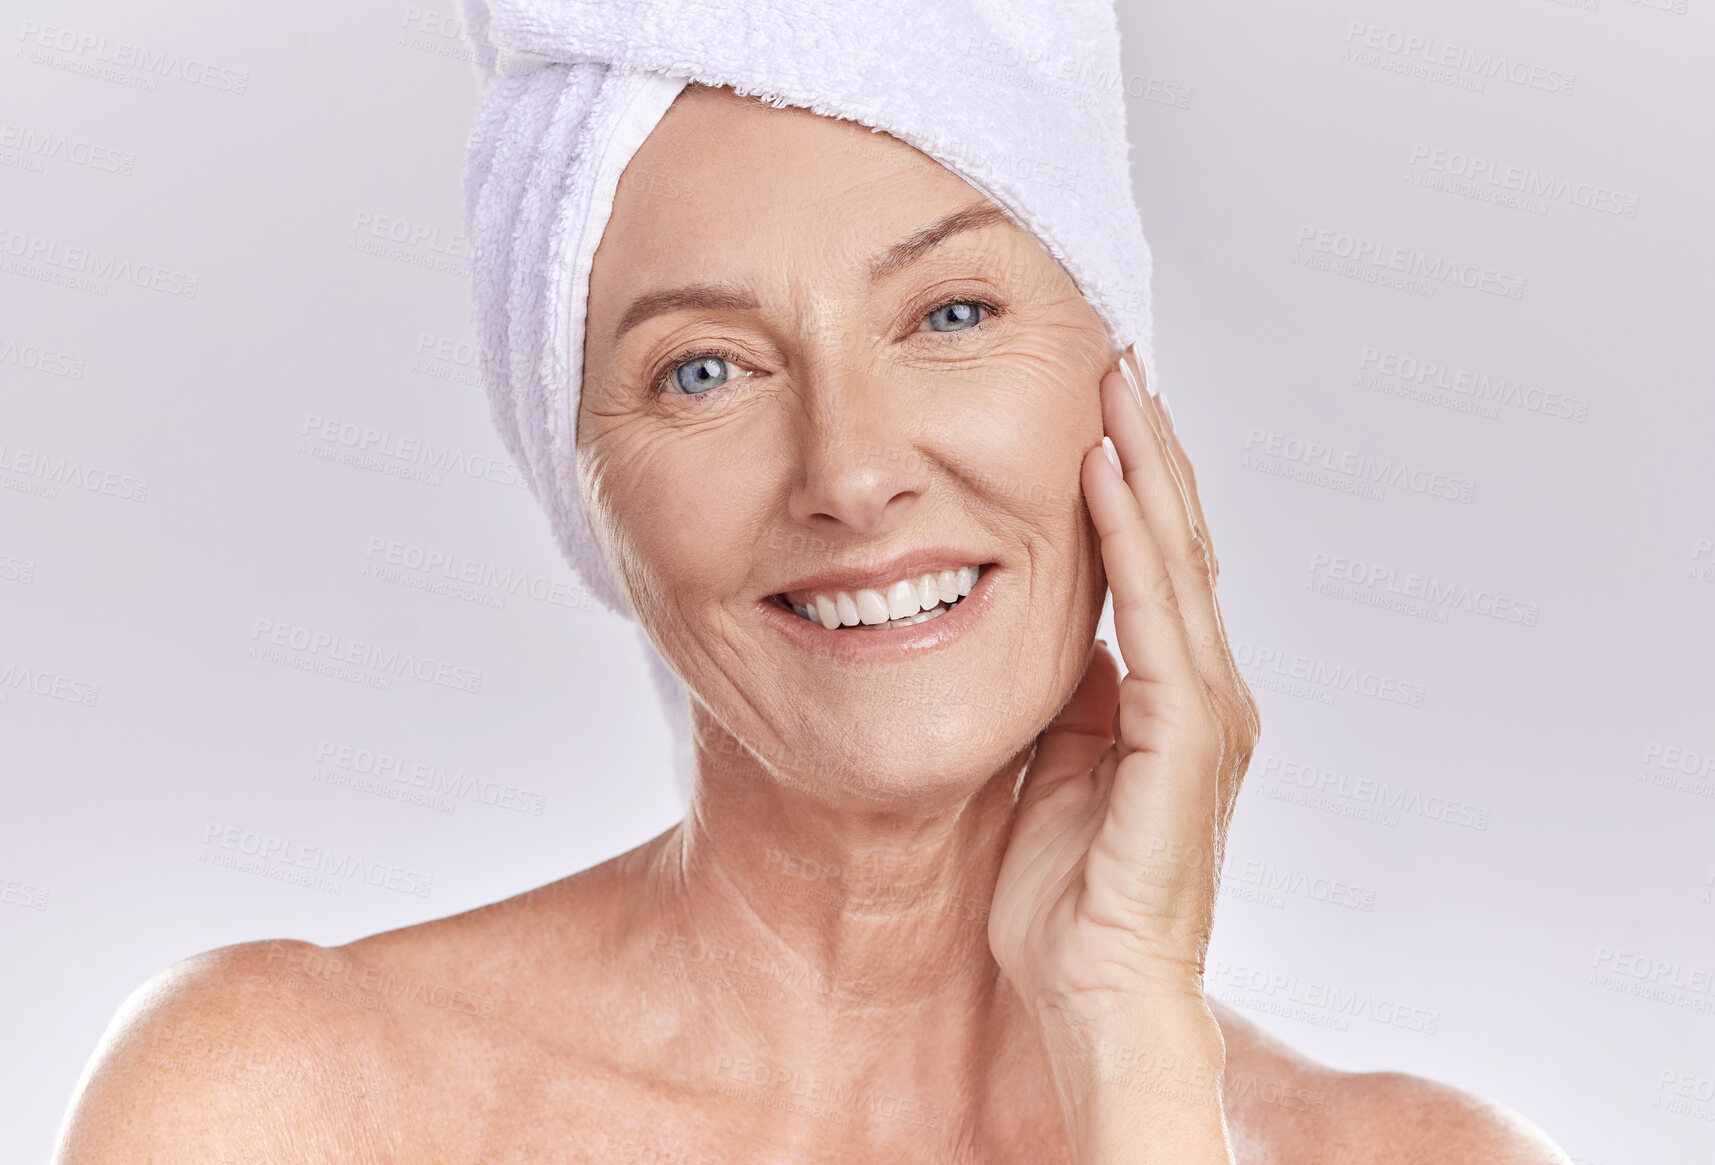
{"x": 872, "y": 928}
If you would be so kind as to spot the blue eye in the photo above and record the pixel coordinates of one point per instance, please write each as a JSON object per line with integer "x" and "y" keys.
{"x": 954, "y": 317}
{"x": 703, "y": 373}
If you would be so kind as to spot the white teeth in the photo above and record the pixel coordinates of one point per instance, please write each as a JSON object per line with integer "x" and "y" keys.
{"x": 827, "y": 612}
{"x": 902, "y": 599}
{"x": 871, "y": 607}
{"x": 934, "y": 612}
{"x": 947, "y": 586}
{"x": 902, "y": 604}
{"x": 928, "y": 592}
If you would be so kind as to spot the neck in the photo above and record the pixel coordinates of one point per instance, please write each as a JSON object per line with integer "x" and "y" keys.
{"x": 827, "y": 923}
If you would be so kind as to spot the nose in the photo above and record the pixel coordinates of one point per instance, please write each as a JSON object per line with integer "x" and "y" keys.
{"x": 861, "y": 470}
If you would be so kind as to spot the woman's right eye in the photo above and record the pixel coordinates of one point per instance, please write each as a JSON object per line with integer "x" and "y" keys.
{"x": 702, "y": 373}
{"x": 957, "y": 316}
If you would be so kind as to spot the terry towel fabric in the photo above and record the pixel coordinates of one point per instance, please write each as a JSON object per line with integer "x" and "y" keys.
{"x": 1024, "y": 99}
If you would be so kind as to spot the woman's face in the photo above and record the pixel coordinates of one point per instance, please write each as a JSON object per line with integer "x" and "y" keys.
{"x": 817, "y": 361}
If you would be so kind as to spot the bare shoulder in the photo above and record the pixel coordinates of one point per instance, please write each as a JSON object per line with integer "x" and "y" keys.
{"x": 224, "y": 1057}
{"x": 283, "y": 1050}
{"x": 1393, "y": 1117}
{"x": 1286, "y": 1109}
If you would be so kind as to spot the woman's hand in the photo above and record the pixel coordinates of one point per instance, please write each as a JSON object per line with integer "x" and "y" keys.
{"x": 1105, "y": 898}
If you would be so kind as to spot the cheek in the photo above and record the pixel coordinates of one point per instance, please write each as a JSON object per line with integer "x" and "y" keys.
{"x": 678, "y": 512}
{"x": 1020, "y": 425}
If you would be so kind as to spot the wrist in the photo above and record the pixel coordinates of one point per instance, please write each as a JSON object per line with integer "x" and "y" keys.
{"x": 1149, "y": 1074}
{"x": 1175, "y": 1038}
{"x": 1175, "y": 1002}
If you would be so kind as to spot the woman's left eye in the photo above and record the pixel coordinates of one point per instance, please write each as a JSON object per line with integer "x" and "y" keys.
{"x": 955, "y": 316}
{"x": 702, "y": 373}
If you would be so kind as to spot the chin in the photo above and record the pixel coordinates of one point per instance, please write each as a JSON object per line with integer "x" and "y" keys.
{"x": 922, "y": 748}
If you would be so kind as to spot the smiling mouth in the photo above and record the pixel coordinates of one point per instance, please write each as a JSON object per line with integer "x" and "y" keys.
{"x": 903, "y": 603}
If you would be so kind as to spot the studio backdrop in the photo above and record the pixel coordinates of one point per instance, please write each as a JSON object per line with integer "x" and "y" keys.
{"x": 1432, "y": 304}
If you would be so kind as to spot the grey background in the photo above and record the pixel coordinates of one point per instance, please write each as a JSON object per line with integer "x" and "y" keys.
{"x": 1525, "y": 859}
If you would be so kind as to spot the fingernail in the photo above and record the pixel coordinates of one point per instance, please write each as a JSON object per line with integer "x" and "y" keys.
{"x": 1131, "y": 382}
{"x": 1113, "y": 457}
{"x": 1161, "y": 400}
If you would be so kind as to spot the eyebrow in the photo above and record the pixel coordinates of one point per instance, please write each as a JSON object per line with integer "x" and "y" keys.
{"x": 727, "y": 297}
{"x": 695, "y": 296}
{"x": 906, "y": 252}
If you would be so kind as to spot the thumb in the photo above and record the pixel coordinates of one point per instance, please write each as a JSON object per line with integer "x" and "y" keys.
{"x": 1082, "y": 730}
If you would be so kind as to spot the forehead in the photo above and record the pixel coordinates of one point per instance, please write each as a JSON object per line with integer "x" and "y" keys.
{"x": 726, "y": 187}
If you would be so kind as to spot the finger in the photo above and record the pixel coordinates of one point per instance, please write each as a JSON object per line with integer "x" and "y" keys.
{"x": 1154, "y": 479}
{"x": 1148, "y": 625}
{"x": 1182, "y": 461}
{"x": 1188, "y": 475}
{"x": 1155, "y": 412}
{"x": 1211, "y": 708}
{"x": 1161, "y": 780}
{"x": 1231, "y": 698}
{"x": 1076, "y": 738}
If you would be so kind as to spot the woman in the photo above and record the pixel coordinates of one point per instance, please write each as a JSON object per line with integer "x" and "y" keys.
{"x": 828, "y": 389}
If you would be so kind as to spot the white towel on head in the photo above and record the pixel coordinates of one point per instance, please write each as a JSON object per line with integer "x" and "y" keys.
{"x": 1024, "y": 99}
